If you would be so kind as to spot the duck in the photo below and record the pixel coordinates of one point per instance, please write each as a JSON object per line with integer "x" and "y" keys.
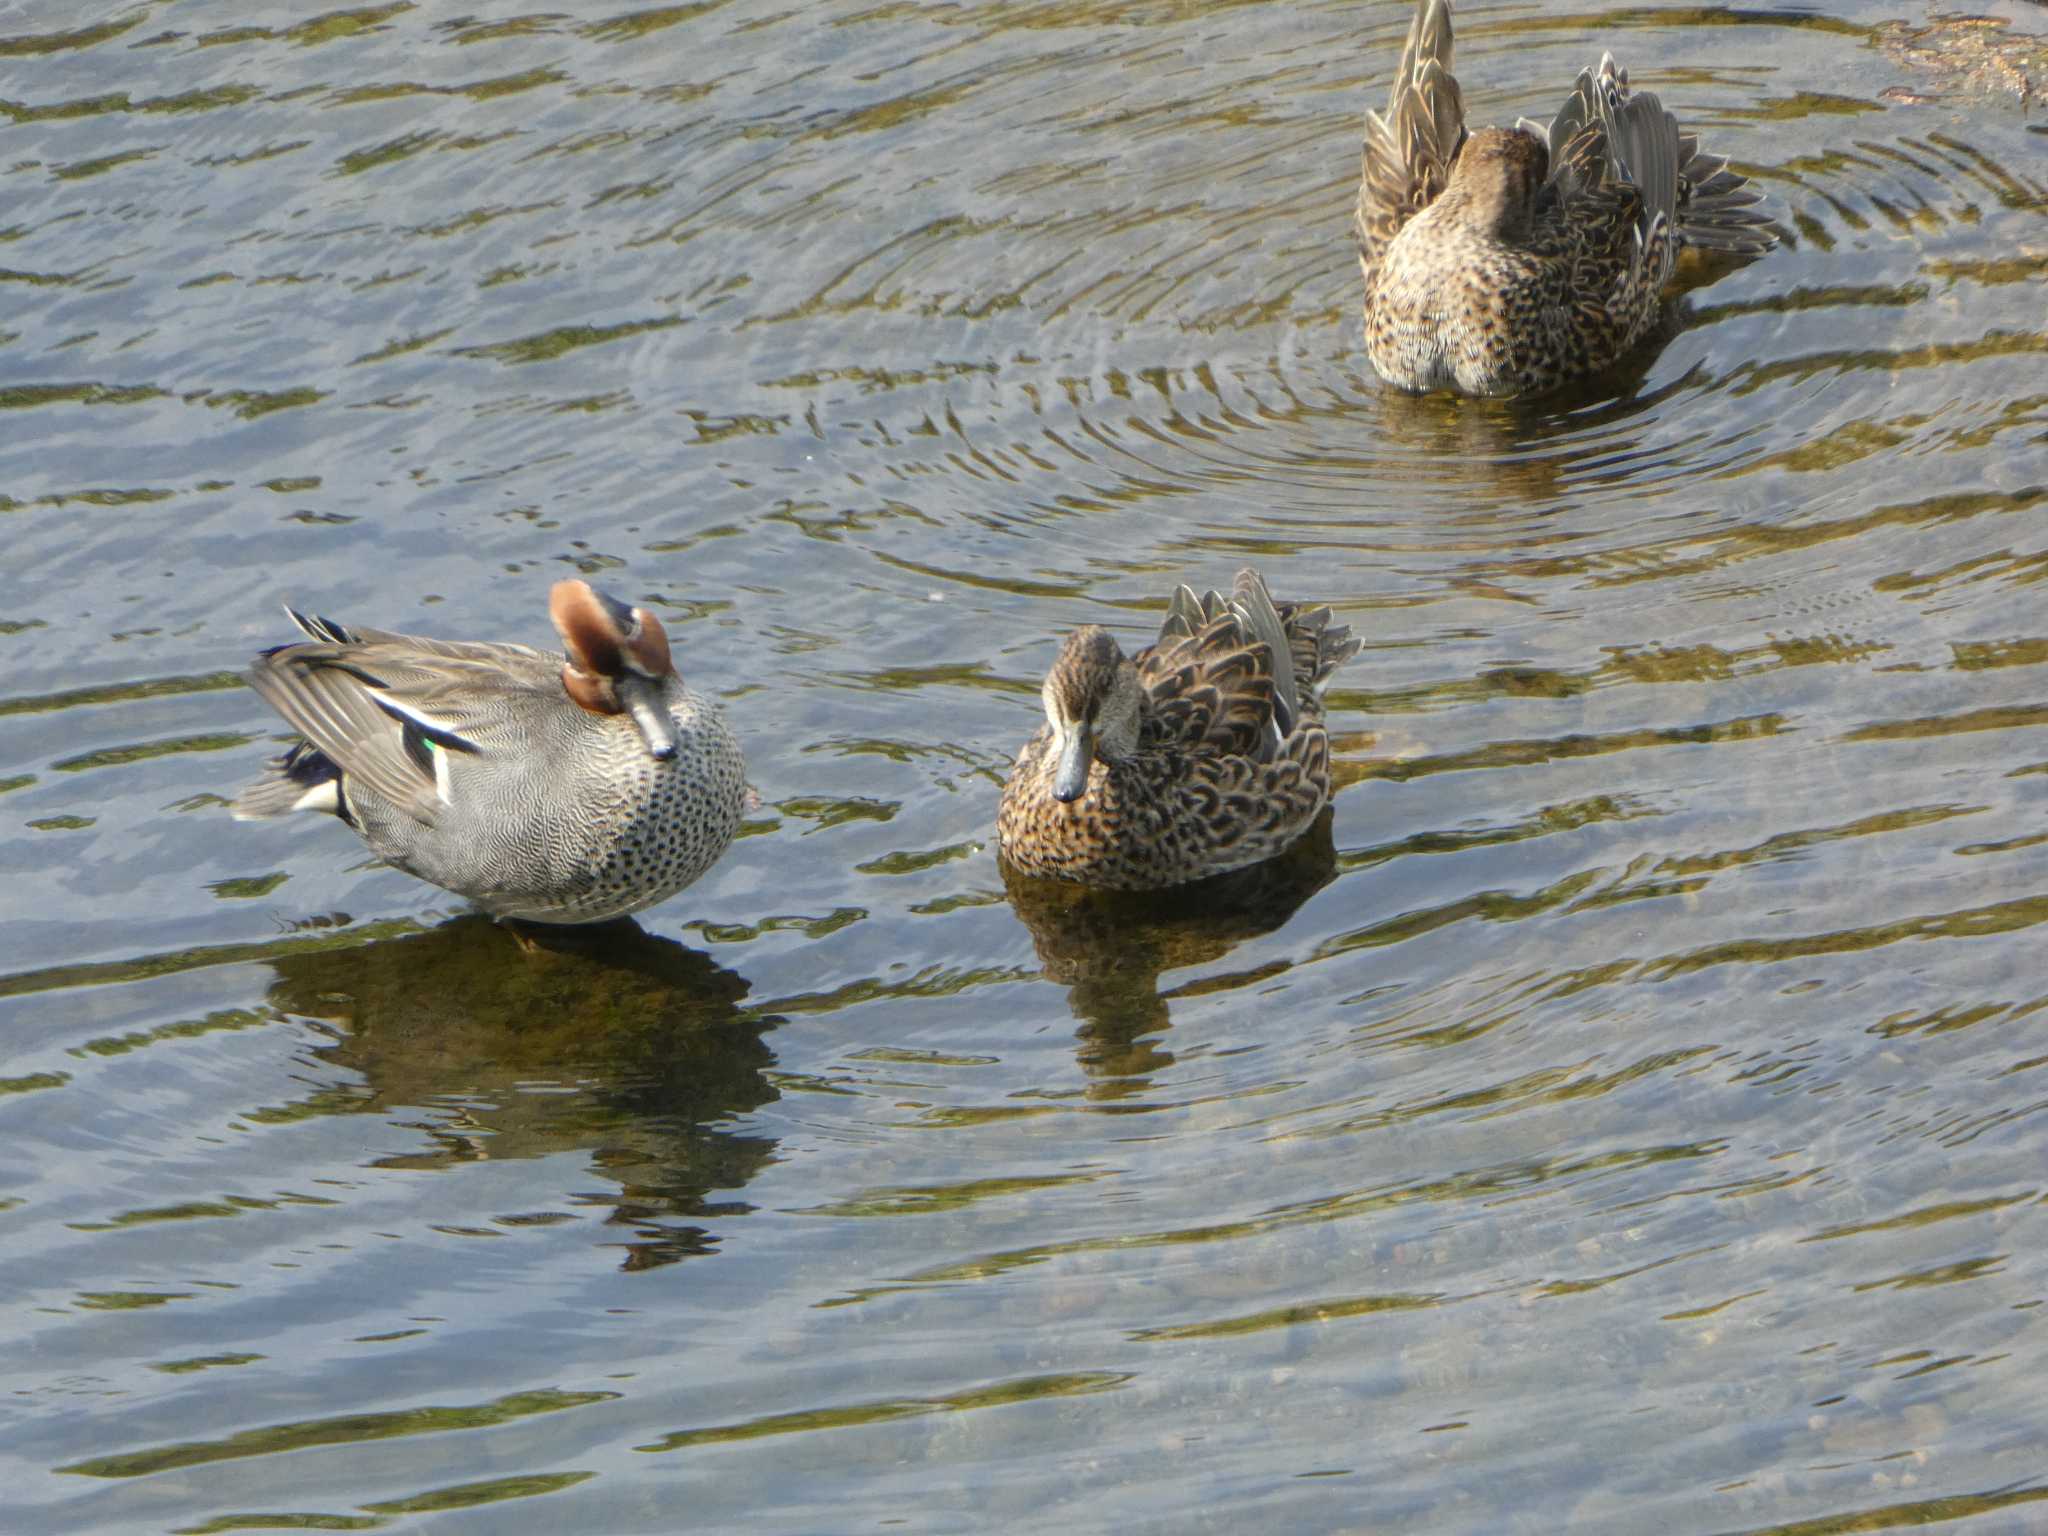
{"x": 1510, "y": 261}
{"x": 572, "y": 788}
{"x": 1204, "y": 753}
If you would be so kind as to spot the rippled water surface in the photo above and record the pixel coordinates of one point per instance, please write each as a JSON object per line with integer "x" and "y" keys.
{"x": 1625, "y": 1114}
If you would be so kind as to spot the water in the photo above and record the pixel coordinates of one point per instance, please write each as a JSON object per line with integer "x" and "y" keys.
{"x": 1626, "y": 1115}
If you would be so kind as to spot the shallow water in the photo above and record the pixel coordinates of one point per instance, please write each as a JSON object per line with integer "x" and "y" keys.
{"x": 1625, "y": 1115}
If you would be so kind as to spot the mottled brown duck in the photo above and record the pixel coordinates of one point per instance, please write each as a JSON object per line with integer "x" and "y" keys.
{"x": 1509, "y": 261}
{"x": 1203, "y": 753}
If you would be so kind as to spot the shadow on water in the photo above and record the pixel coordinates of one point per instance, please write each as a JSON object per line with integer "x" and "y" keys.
{"x": 1109, "y": 949}
{"x": 609, "y": 1040}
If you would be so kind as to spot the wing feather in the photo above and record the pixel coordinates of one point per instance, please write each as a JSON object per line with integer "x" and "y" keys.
{"x": 368, "y": 699}
{"x": 1408, "y": 152}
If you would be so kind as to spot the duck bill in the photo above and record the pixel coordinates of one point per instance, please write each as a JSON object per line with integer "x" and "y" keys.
{"x": 1070, "y": 777}
{"x": 643, "y": 701}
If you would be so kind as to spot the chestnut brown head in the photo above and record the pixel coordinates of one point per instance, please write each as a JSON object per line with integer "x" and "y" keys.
{"x": 618, "y": 660}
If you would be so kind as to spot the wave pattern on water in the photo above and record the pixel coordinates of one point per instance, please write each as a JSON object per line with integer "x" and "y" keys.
{"x": 1641, "y": 1056}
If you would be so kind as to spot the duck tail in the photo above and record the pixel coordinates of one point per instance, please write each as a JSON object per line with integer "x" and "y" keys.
{"x": 1188, "y": 615}
{"x": 317, "y": 628}
{"x": 1319, "y": 647}
{"x": 1257, "y": 619}
{"x": 1408, "y": 152}
{"x": 304, "y": 779}
{"x": 1717, "y": 207}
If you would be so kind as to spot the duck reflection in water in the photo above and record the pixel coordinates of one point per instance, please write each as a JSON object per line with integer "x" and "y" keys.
{"x": 1517, "y": 461}
{"x": 605, "y": 1040}
{"x": 1109, "y": 948}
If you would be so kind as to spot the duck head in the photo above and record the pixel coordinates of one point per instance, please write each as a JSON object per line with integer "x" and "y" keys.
{"x": 1091, "y": 700}
{"x": 619, "y": 661}
{"x": 1496, "y": 178}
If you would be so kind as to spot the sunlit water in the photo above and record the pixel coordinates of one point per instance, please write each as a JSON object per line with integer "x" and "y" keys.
{"x": 1625, "y": 1116}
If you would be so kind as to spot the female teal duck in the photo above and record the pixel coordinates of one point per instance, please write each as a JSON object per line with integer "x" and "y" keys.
{"x": 550, "y": 790}
{"x": 1203, "y": 753}
{"x": 1510, "y": 260}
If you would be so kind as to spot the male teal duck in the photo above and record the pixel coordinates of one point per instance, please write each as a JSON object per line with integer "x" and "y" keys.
{"x": 1510, "y": 260}
{"x": 1203, "y": 753}
{"x": 557, "y": 791}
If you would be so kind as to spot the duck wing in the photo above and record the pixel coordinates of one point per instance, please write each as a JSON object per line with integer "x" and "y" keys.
{"x": 377, "y": 704}
{"x": 1210, "y": 697}
{"x": 1220, "y": 681}
{"x": 1639, "y": 144}
{"x": 1319, "y": 648}
{"x": 1614, "y": 157}
{"x": 1408, "y": 152}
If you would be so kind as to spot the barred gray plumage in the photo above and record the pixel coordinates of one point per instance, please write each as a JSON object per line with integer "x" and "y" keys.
{"x": 553, "y": 790}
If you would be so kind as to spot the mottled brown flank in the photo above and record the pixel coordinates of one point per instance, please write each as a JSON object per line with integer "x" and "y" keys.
{"x": 1508, "y": 261}
{"x": 1208, "y": 788}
